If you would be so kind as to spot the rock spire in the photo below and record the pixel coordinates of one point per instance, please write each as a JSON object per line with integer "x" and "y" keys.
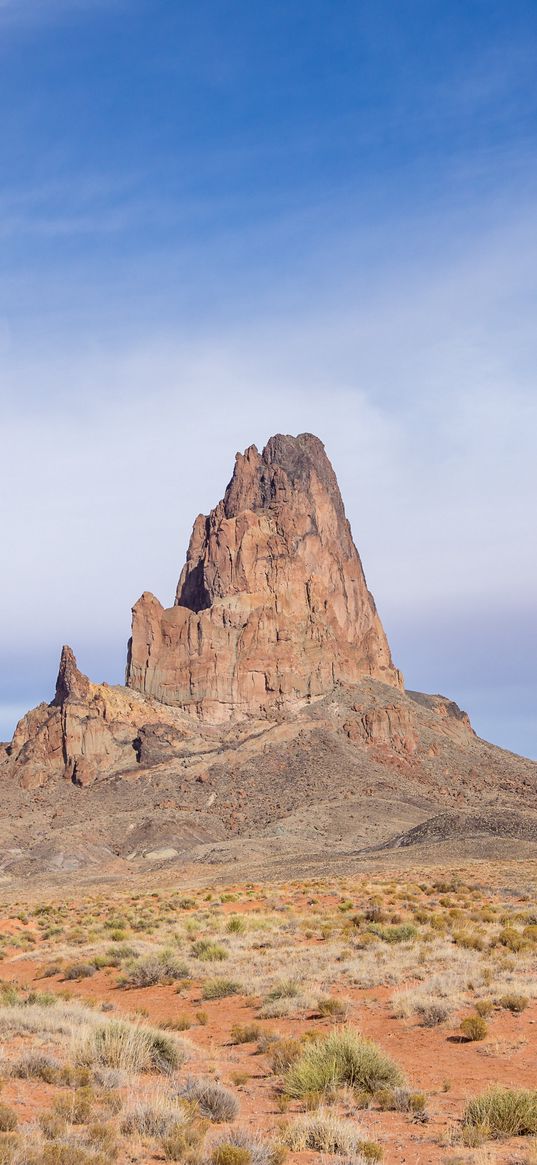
{"x": 272, "y": 607}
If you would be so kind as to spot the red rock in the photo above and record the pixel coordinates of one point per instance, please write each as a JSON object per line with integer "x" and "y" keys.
{"x": 272, "y": 607}
{"x": 89, "y": 731}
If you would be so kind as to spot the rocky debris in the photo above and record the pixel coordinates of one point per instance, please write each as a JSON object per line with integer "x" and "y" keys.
{"x": 456, "y": 721}
{"x": 444, "y": 826}
{"x": 272, "y": 607}
{"x": 394, "y": 725}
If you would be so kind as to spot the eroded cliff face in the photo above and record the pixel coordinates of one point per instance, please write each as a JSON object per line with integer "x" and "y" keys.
{"x": 272, "y": 607}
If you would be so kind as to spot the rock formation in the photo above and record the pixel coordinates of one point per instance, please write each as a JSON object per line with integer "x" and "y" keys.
{"x": 262, "y": 715}
{"x": 90, "y": 732}
{"x": 272, "y": 607}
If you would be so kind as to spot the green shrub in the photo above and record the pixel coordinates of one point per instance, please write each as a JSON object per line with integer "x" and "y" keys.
{"x": 244, "y": 1033}
{"x": 371, "y": 1151}
{"x": 9, "y": 995}
{"x": 149, "y": 970}
{"x": 132, "y": 1048}
{"x": 235, "y": 924}
{"x": 469, "y": 940}
{"x": 231, "y": 1155}
{"x": 403, "y": 933}
{"x": 252, "y": 1150}
{"x": 385, "y": 1099}
{"x": 181, "y": 1024}
{"x": 474, "y": 1028}
{"x": 79, "y": 971}
{"x": 503, "y": 1112}
{"x": 285, "y": 989}
{"x": 102, "y": 1136}
{"x": 120, "y": 953}
{"x": 512, "y": 939}
{"x": 209, "y": 952}
{"x": 330, "y": 1006}
{"x": 341, "y": 1057}
{"x": 373, "y": 911}
{"x": 220, "y": 988}
{"x": 41, "y": 998}
{"x": 400, "y": 1100}
{"x": 514, "y": 1001}
{"x": 52, "y": 1125}
{"x": 149, "y": 1119}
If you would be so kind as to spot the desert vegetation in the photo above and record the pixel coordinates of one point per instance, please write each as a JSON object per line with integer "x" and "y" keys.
{"x": 344, "y": 1020}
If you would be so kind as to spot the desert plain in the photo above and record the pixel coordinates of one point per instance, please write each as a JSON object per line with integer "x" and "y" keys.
{"x": 355, "y": 1018}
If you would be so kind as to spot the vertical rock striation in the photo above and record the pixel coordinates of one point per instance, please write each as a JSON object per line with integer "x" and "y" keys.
{"x": 272, "y": 607}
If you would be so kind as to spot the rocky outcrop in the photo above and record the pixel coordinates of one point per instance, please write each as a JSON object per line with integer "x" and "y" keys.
{"x": 393, "y": 725}
{"x": 272, "y": 607}
{"x": 89, "y": 732}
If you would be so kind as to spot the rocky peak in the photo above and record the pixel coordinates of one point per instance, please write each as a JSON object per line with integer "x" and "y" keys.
{"x": 263, "y": 481}
{"x": 272, "y": 607}
{"x": 70, "y": 683}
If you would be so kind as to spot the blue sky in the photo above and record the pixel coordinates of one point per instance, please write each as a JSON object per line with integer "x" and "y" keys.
{"x": 223, "y": 219}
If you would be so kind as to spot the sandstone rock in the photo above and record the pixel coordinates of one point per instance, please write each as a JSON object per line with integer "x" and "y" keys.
{"x": 88, "y": 732}
{"x": 70, "y": 683}
{"x": 272, "y": 607}
{"x": 389, "y": 726}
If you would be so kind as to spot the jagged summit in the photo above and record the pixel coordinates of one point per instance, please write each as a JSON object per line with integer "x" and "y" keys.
{"x": 272, "y": 607}
{"x": 70, "y": 682}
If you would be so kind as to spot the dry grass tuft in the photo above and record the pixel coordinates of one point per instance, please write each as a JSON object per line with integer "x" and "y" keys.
{"x": 129, "y": 1047}
{"x": 342, "y": 1057}
{"x": 213, "y": 1099}
{"x": 324, "y": 1132}
{"x": 502, "y": 1112}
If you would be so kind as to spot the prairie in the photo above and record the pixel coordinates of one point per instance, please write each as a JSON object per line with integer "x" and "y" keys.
{"x": 356, "y": 1019}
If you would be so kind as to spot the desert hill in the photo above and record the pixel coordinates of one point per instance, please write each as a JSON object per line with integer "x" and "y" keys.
{"x": 263, "y": 728}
